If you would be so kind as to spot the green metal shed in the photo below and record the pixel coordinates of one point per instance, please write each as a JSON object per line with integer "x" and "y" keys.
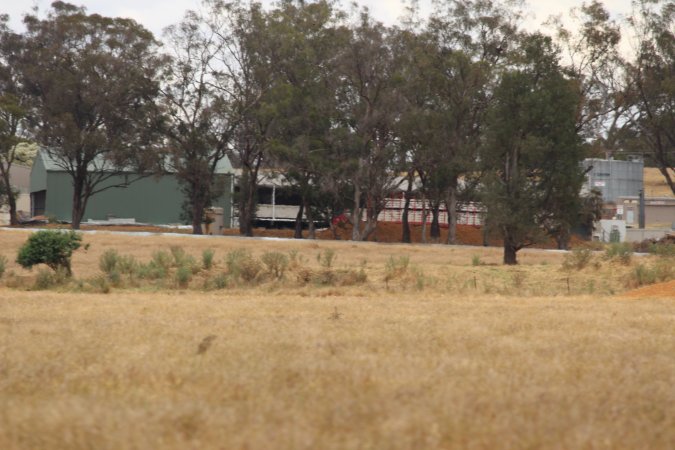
{"x": 152, "y": 200}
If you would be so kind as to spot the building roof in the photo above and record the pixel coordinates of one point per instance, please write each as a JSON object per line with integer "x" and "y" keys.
{"x": 52, "y": 165}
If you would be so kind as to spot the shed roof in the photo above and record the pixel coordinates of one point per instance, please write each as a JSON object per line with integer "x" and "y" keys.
{"x": 52, "y": 165}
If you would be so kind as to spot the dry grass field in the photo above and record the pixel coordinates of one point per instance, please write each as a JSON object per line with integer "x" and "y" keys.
{"x": 655, "y": 183}
{"x": 454, "y": 351}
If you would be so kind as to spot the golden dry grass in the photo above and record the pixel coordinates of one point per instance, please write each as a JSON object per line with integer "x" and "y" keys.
{"x": 511, "y": 363}
{"x": 655, "y": 183}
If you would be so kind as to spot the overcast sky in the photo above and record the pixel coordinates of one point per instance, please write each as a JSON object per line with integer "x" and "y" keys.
{"x": 157, "y": 14}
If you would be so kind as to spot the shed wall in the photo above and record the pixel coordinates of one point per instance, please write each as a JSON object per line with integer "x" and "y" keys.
{"x": 149, "y": 200}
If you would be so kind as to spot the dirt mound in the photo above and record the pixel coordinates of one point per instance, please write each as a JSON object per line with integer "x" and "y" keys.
{"x": 660, "y": 290}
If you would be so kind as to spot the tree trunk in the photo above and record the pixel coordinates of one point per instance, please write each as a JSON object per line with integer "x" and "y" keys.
{"x": 311, "y": 226}
{"x": 11, "y": 200}
{"x": 405, "y": 224}
{"x": 435, "y": 231}
{"x": 510, "y": 250}
{"x": 79, "y": 203}
{"x": 424, "y": 220}
{"x": 562, "y": 239}
{"x": 250, "y": 207}
{"x": 246, "y": 214}
{"x": 451, "y": 205}
{"x": 298, "y": 221}
{"x": 356, "y": 215}
{"x": 666, "y": 174}
{"x": 370, "y": 228}
{"x": 197, "y": 214}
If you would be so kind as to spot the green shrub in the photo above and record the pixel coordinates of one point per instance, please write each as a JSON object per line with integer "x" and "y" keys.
{"x": 3, "y": 265}
{"x": 578, "y": 259}
{"x": 622, "y": 251}
{"x": 161, "y": 259}
{"x": 220, "y": 281}
{"x": 115, "y": 265}
{"x": 53, "y": 248}
{"x": 326, "y": 258}
{"x": 183, "y": 276}
{"x": 126, "y": 264}
{"x": 241, "y": 264}
{"x": 665, "y": 250}
{"x": 276, "y": 263}
{"x": 643, "y": 275}
{"x": 152, "y": 271}
{"x": 476, "y": 261}
{"x": 207, "y": 259}
{"x": 108, "y": 261}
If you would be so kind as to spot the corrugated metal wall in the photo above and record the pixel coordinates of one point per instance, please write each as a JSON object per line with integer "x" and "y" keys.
{"x": 155, "y": 200}
{"x": 614, "y": 178}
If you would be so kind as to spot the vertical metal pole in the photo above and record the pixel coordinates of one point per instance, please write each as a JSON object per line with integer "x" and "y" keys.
{"x": 642, "y": 209}
{"x": 274, "y": 202}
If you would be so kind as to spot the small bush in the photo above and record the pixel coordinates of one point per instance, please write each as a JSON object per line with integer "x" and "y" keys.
{"x": 395, "y": 267}
{"x": 241, "y": 264}
{"x": 622, "y": 251}
{"x": 161, "y": 259}
{"x": 101, "y": 285}
{"x": 115, "y": 277}
{"x": 178, "y": 255}
{"x": 276, "y": 264}
{"x": 183, "y": 276}
{"x": 3, "y": 265}
{"x": 578, "y": 259}
{"x": 476, "y": 261}
{"x": 115, "y": 265}
{"x": 644, "y": 275}
{"x": 108, "y": 261}
{"x": 220, "y": 281}
{"x": 665, "y": 250}
{"x": 45, "y": 279}
{"x": 295, "y": 260}
{"x": 349, "y": 277}
{"x": 151, "y": 271}
{"x": 126, "y": 264}
{"x": 326, "y": 258}
{"x": 53, "y": 248}
{"x": 207, "y": 259}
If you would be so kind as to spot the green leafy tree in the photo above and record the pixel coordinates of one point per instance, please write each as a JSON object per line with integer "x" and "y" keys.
{"x": 258, "y": 101}
{"x": 200, "y": 106}
{"x": 532, "y": 152}
{"x": 93, "y": 85}
{"x": 52, "y": 248}
{"x": 594, "y": 61}
{"x": 13, "y": 116}
{"x": 368, "y": 102}
{"x": 651, "y": 83}
{"x": 302, "y": 49}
